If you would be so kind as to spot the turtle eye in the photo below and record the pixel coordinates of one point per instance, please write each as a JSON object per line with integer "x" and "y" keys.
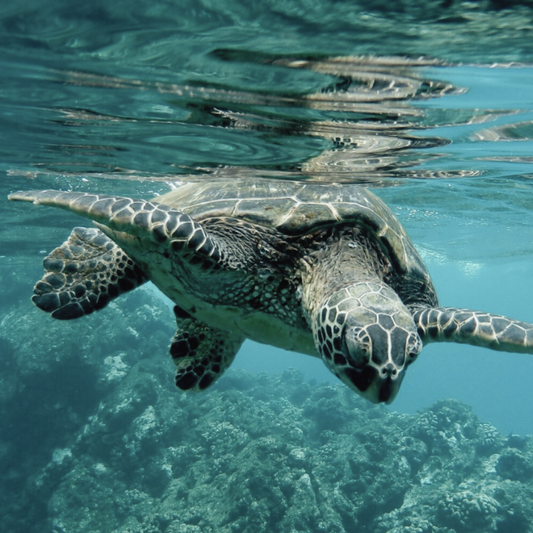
{"x": 411, "y": 358}
{"x": 414, "y": 347}
{"x": 357, "y": 346}
{"x": 414, "y": 343}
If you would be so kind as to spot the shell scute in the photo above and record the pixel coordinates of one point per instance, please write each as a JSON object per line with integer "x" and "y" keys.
{"x": 294, "y": 208}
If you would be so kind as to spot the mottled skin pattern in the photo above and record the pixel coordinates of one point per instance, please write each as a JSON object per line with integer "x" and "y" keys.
{"x": 322, "y": 269}
{"x": 379, "y": 340}
{"x": 89, "y": 266}
{"x": 487, "y": 330}
{"x": 201, "y": 353}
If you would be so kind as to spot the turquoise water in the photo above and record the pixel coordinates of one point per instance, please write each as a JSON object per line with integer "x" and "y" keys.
{"x": 429, "y": 104}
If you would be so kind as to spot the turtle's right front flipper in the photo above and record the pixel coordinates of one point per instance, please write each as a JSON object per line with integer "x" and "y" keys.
{"x": 496, "y": 332}
{"x": 201, "y": 353}
{"x": 84, "y": 274}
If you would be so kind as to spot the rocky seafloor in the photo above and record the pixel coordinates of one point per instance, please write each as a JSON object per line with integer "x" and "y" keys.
{"x": 96, "y": 439}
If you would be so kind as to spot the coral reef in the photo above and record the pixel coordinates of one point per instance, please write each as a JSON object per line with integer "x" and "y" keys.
{"x": 102, "y": 441}
{"x": 95, "y": 437}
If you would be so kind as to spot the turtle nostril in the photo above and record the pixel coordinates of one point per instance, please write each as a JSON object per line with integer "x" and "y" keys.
{"x": 389, "y": 370}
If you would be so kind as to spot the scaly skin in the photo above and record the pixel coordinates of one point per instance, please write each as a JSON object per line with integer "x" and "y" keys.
{"x": 367, "y": 338}
{"x": 365, "y": 332}
{"x": 147, "y": 220}
{"x": 496, "y": 332}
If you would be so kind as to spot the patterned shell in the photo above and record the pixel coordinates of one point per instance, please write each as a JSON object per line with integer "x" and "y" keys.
{"x": 295, "y": 208}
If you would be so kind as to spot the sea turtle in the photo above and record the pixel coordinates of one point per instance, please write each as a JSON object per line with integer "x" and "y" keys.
{"x": 322, "y": 269}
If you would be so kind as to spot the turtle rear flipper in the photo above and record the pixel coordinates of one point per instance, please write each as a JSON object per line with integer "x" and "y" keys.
{"x": 496, "y": 332}
{"x": 201, "y": 353}
{"x": 84, "y": 274}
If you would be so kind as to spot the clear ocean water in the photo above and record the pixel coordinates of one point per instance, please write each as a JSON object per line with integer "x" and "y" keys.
{"x": 429, "y": 104}
{"x": 130, "y": 97}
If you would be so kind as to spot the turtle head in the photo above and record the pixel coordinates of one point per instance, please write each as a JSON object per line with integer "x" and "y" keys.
{"x": 367, "y": 337}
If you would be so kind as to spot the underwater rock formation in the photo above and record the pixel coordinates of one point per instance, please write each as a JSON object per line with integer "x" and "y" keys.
{"x": 112, "y": 446}
{"x": 96, "y": 438}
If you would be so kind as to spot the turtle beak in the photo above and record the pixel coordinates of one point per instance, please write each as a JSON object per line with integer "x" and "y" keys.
{"x": 376, "y": 386}
{"x": 388, "y": 384}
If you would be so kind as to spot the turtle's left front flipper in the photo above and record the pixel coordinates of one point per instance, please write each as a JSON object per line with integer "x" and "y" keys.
{"x": 127, "y": 221}
{"x": 496, "y": 332}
